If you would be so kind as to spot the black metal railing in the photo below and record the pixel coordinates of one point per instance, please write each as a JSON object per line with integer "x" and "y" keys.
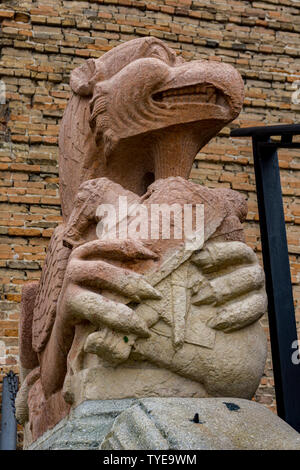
{"x": 283, "y": 331}
{"x": 8, "y": 436}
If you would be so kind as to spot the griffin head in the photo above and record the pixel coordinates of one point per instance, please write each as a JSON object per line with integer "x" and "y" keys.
{"x": 144, "y": 112}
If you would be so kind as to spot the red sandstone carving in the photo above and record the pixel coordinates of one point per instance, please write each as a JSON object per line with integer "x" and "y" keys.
{"x": 139, "y": 115}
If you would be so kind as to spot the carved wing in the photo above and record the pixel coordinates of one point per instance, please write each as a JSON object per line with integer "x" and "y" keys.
{"x": 77, "y": 149}
{"x": 49, "y": 289}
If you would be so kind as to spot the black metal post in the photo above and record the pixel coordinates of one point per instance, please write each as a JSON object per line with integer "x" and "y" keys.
{"x": 8, "y": 437}
{"x": 283, "y": 331}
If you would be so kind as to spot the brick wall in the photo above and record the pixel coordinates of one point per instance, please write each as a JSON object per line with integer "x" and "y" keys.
{"x": 43, "y": 40}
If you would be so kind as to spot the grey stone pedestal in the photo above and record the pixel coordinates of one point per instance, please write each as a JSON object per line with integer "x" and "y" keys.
{"x": 86, "y": 426}
{"x": 170, "y": 423}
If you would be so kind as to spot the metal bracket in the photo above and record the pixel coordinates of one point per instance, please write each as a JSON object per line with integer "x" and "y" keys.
{"x": 283, "y": 331}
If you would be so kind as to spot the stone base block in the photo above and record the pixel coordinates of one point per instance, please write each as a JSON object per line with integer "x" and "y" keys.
{"x": 171, "y": 423}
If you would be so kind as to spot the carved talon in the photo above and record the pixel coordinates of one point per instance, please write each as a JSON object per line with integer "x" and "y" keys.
{"x": 114, "y": 319}
{"x": 217, "y": 255}
{"x": 22, "y": 412}
{"x": 228, "y": 286}
{"x": 240, "y": 292}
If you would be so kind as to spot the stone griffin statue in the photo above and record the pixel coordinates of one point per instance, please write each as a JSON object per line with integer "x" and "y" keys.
{"x": 128, "y": 317}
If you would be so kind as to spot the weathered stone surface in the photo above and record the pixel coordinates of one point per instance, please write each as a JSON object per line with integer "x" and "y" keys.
{"x": 170, "y": 423}
{"x": 84, "y": 428}
{"x": 200, "y": 424}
